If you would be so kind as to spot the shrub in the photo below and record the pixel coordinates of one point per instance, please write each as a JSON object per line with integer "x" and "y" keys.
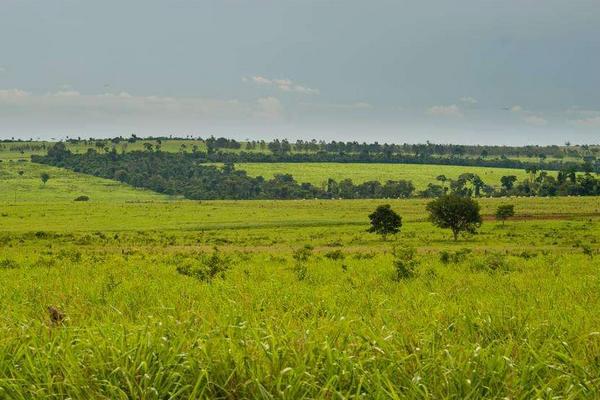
{"x": 82, "y": 198}
{"x": 8, "y": 264}
{"x": 405, "y": 263}
{"x": 210, "y": 267}
{"x": 303, "y": 254}
{"x": 492, "y": 263}
{"x": 454, "y": 257}
{"x": 363, "y": 256}
{"x": 335, "y": 255}
{"x": 504, "y": 212}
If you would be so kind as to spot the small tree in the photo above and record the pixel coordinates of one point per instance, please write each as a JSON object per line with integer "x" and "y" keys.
{"x": 44, "y": 177}
{"x": 508, "y": 181}
{"x": 385, "y": 221}
{"x": 460, "y": 214}
{"x": 504, "y": 212}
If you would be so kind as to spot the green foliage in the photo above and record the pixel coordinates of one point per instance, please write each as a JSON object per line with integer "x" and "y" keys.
{"x": 302, "y": 254}
{"x": 457, "y": 213}
{"x": 335, "y": 255}
{"x": 44, "y": 176}
{"x": 208, "y": 268}
{"x": 82, "y": 198}
{"x": 505, "y": 211}
{"x": 138, "y": 329}
{"x": 385, "y": 221}
{"x": 405, "y": 263}
{"x": 447, "y": 257}
{"x": 492, "y": 263}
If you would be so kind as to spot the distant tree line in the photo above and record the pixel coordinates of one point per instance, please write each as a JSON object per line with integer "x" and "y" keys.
{"x": 584, "y": 158}
{"x": 394, "y": 158}
{"x": 185, "y": 174}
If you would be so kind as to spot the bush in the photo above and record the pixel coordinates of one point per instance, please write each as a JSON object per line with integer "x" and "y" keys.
{"x": 303, "y": 254}
{"x": 454, "y": 257}
{"x": 335, "y": 255}
{"x": 405, "y": 263}
{"x": 211, "y": 267}
{"x": 8, "y": 264}
{"x": 492, "y": 263}
{"x": 82, "y": 198}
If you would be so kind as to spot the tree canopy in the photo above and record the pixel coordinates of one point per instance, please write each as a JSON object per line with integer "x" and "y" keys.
{"x": 459, "y": 214}
{"x": 385, "y": 221}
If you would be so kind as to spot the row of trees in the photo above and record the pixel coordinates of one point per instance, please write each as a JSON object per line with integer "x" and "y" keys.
{"x": 184, "y": 174}
{"x": 459, "y": 214}
{"x": 590, "y": 165}
{"x": 583, "y": 157}
{"x": 420, "y": 149}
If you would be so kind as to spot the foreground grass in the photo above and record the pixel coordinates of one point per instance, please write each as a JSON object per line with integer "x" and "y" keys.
{"x": 343, "y": 328}
{"x": 138, "y": 329}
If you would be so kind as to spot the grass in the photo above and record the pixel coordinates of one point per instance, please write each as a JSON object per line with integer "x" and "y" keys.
{"x": 63, "y": 185}
{"x": 336, "y": 325}
{"x": 420, "y": 175}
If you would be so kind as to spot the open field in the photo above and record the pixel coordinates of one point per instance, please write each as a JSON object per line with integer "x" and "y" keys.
{"x": 420, "y": 175}
{"x": 516, "y": 317}
{"x": 63, "y": 185}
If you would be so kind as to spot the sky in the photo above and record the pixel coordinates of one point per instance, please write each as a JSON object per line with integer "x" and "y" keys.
{"x": 511, "y": 72}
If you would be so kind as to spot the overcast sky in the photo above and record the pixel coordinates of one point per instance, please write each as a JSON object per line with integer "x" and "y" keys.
{"x": 463, "y": 71}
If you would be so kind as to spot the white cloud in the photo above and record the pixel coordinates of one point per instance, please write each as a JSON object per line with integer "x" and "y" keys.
{"x": 591, "y": 122}
{"x": 72, "y": 110}
{"x": 285, "y": 85}
{"x": 582, "y": 112}
{"x": 516, "y": 109}
{"x": 9, "y": 95}
{"x": 446, "y": 111}
{"x": 535, "y": 120}
{"x": 269, "y": 108}
{"x": 469, "y": 100}
{"x": 360, "y": 105}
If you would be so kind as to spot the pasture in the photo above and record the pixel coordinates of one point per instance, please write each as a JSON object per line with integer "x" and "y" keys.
{"x": 304, "y": 302}
{"x": 420, "y": 175}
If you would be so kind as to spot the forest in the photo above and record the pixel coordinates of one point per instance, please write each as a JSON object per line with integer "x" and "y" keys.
{"x": 186, "y": 174}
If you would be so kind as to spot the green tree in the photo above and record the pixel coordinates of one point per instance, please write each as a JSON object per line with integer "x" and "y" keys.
{"x": 508, "y": 181}
{"x": 505, "y": 211}
{"x": 460, "y": 214}
{"x": 385, "y": 221}
{"x": 44, "y": 177}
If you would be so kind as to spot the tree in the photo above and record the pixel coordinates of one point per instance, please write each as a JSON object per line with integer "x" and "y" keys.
{"x": 460, "y": 214}
{"x": 505, "y": 211}
{"x": 385, "y": 221}
{"x": 508, "y": 181}
{"x": 44, "y": 177}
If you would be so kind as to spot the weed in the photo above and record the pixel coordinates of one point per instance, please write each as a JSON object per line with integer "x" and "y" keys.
{"x": 335, "y": 255}
{"x": 405, "y": 263}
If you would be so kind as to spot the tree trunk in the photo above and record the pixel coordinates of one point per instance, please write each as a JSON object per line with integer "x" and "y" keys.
{"x": 455, "y": 233}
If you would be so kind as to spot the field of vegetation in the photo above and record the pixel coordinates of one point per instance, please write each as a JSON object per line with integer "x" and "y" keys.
{"x": 420, "y": 175}
{"x": 133, "y": 294}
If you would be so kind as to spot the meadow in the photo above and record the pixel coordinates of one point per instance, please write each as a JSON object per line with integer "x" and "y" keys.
{"x": 299, "y": 301}
{"x": 420, "y": 175}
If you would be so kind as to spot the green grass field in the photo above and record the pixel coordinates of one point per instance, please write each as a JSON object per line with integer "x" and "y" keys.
{"x": 514, "y": 317}
{"x": 420, "y": 175}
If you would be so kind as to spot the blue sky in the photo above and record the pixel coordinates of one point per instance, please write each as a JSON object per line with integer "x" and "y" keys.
{"x": 463, "y": 71}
